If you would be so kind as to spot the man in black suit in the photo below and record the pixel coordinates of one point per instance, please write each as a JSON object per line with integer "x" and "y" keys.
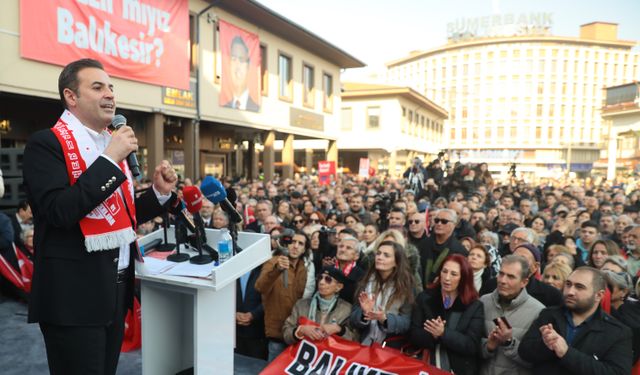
{"x": 239, "y": 69}
{"x": 81, "y": 192}
{"x": 250, "y": 338}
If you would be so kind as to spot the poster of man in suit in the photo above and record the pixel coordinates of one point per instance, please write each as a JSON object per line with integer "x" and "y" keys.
{"x": 240, "y": 80}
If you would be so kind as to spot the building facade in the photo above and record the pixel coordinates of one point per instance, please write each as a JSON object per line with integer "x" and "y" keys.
{"x": 534, "y": 100}
{"x": 620, "y": 156}
{"x": 390, "y": 126}
{"x": 296, "y": 82}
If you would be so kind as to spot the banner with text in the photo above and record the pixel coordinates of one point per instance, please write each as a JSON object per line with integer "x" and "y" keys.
{"x": 241, "y": 62}
{"x": 335, "y": 355}
{"x": 146, "y": 41}
{"x": 326, "y": 169}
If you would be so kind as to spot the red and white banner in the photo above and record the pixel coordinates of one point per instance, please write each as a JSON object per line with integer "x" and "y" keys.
{"x": 145, "y": 41}
{"x": 335, "y": 356}
{"x": 326, "y": 169}
{"x": 363, "y": 170}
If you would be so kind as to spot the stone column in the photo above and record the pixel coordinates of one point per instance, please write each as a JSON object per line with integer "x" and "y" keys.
{"x": 308, "y": 159}
{"x": 612, "y": 154}
{"x": 332, "y": 152}
{"x": 155, "y": 141}
{"x": 239, "y": 160}
{"x": 287, "y": 157}
{"x": 393, "y": 156}
{"x": 268, "y": 156}
{"x": 191, "y": 148}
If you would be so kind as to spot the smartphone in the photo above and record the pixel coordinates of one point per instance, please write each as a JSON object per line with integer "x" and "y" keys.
{"x": 504, "y": 320}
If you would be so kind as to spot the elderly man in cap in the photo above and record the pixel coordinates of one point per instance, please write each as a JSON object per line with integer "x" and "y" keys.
{"x": 546, "y": 294}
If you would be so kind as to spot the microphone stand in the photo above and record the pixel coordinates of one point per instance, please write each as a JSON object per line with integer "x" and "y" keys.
{"x": 166, "y": 246}
{"x": 233, "y": 231}
{"x": 180, "y": 234}
{"x": 200, "y": 258}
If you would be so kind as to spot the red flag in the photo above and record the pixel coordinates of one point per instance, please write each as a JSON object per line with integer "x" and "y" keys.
{"x": 335, "y": 355}
{"x": 11, "y": 274}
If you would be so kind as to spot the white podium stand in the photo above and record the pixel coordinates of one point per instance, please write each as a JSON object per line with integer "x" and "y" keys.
{"x": 190, "y": 322}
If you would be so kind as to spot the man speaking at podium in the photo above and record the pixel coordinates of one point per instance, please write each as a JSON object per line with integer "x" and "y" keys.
{"x": 80, "y": 189}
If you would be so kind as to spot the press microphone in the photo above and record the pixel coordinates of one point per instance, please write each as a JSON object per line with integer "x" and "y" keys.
{"x": 118, "y": 122}
{"x": 215, "y": 192}
{"x": 183, "y": 221}
{"x": 284, "y": 239}
{"x": 193, "y": 200}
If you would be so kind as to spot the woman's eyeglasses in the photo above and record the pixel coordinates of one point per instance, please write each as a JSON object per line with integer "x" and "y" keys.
{"x": 298, "y": 221}
{"x": 315, "y": 221}
{"x": 415, "y": 221}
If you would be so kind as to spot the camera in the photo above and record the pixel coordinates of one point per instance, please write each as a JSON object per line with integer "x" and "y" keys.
{"x": 327, "y": 230}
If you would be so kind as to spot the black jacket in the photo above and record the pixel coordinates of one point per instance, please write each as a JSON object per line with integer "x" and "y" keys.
{"x": 70, "y": 285}
{"x": 629, "y": 315}
{"x": 432, "y": 250}
{"x": 462, "y": 342}
{"x": 252, "y": 302}
{"x": 348, "y": 292}
{"x": 601, "y": 347}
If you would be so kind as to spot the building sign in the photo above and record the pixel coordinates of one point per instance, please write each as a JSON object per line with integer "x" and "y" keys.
{"x": 139, "y": 40}
{"x": 301, "y": 118}
{"x": 508, "y": 24}
{"x": 225, "y": 143}
{"x": 178, "y": 97}
{"x": 241, "y": 64}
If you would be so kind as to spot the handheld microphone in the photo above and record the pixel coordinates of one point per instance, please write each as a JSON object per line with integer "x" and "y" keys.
{"x": 193, "y": 200}
{"x": 118, "y": 122}
{"x": 215, "y": 192}
{"x": 284, "y": 239}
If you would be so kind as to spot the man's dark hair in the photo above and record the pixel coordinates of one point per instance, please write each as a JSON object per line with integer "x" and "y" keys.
{"x": 68, "y": 78}
{"x": 398, "y": 209}
{"x": 23, "y": 204}
{"x": 349, "y": 231}
{"x": 237, "y": 40}
{"x": 589, "y": 223}
{"x": 599, "y": 283}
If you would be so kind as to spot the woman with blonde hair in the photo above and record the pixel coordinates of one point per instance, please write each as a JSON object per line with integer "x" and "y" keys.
{"x": 555, "y": 274}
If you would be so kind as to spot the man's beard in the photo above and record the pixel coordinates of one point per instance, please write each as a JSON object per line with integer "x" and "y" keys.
{"x": 581, "y": 307}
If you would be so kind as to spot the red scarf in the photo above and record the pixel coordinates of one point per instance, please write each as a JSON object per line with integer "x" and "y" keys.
{"x": 108, "y": 226}
{"x": 347, "y": 270}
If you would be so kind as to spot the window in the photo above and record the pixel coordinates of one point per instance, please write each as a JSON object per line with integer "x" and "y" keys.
{"x": 193, "y": 50}
{"x": 373, "y": 117}
{"x": 308, "y": 85}
{"x": 264, "y": 71}
{"x": 346, "y": 122}
{"x": 327, "y": 88}
{"x": 284, "y": 71}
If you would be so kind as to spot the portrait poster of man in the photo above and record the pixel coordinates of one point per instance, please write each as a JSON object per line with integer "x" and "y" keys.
{"x": 240, "y": 78}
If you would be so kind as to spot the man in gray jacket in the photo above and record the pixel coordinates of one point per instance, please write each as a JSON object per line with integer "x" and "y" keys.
{"x": 514, "y": 310}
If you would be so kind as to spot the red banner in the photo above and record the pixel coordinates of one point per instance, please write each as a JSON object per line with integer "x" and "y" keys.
{"x": 241, "y": 62}
{"x": 145, "y": 41}
{"x": 326, "y": 169}
{"x": 335, "y": 356}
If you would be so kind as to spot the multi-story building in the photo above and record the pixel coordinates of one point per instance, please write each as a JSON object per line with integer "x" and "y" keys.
{"x": 621, "y": 115}
{"x": 389, "y": 125}
{"x": 531, "y": 99}
{"x": 173, "y": 79}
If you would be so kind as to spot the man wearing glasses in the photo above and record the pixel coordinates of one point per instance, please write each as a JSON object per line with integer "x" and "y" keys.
{"x": 418, "y": 231}
{"x": 440, "y": 245}
{"x": 239, "y": 69}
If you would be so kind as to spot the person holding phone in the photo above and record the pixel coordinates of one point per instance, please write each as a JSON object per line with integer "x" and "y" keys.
{"x": 508, "y": 312}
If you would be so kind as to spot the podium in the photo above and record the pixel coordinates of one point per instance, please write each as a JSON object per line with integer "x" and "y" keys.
{"x": 190, "y": 322}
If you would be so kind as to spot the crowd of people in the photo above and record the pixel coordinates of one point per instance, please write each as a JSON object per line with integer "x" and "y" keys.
{"x": 467, "y": 274}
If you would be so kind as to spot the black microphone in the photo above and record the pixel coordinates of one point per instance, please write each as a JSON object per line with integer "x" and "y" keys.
{"x": 215, "y": 192}
{"x": 118, "y": 122}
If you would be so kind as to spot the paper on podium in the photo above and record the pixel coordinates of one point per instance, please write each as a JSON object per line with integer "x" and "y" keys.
{"x": 155, "y": 266}
{"x": 190, "y": 269}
